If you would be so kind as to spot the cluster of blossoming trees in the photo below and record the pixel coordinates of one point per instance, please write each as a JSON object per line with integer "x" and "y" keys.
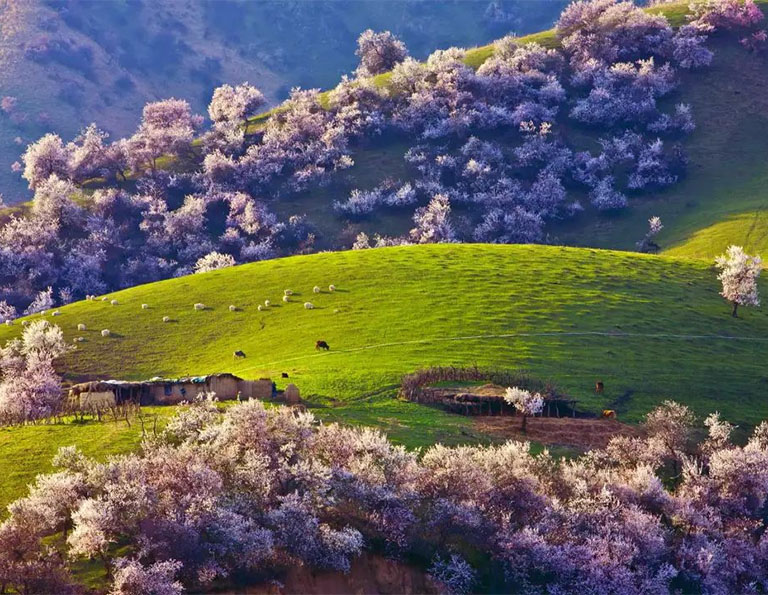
{"x": 30, "y": 388}
{"x": 489, "y": 140}
{"x": 248, "y": 493}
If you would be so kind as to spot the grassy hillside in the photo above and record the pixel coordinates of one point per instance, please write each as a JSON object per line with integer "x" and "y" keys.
{"x": 650, "y": 327}
{"x": 569, "y": 315}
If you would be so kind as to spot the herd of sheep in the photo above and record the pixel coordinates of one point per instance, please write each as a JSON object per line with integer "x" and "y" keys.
{"x": 287, "y": 294}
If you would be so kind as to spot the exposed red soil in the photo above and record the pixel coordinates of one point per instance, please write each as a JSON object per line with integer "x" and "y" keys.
{"x": 370, "y": 573}
{"x": 560, "y": 431}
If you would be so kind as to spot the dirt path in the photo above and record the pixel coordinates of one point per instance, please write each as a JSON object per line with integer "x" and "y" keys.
{"x": 556, "y": 431}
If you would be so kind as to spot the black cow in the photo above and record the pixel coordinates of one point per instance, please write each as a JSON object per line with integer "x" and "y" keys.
{"x": 238, "y": 353}
{"x": 284, "y": 374}
{"x": 322, "y": 345}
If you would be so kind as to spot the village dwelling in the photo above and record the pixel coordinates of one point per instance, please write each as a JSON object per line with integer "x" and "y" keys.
{"x": 171, "y": 391}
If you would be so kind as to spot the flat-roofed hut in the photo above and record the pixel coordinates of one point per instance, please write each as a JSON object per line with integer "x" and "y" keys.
{"x": 168, "y": 391}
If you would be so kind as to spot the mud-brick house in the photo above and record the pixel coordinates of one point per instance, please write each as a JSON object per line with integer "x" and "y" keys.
{"x": 168, "y": 391}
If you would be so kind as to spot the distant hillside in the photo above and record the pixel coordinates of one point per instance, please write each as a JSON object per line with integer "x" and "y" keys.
{"x": 721, "y": 201}
{"x": 70, "y": 62}
{"x": 724, "y": 198}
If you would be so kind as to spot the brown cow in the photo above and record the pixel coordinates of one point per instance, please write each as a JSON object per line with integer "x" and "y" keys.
{"x": 608, "y": 414}
{"x": 599, "y": 387}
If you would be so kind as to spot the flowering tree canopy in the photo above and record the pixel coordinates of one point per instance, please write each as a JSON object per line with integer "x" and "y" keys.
{"x": 738, "y": 273}
{"x": 223, "y": 493}
{"x": 379, "y": 52}
{"x": 235, "y": 104}
{"x": 524, "y": 401}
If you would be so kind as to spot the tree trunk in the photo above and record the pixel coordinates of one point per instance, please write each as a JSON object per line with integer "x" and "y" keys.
{"x": 525, "y": 423}
{"x": 735, "y": 306}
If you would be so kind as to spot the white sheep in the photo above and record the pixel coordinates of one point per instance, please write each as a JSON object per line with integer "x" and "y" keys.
{"x": 260, "y": 308}
{"x": 199, "y": 306}
{"x": 286, "y": 298}
{"x": 266, "y": 303}
{"x": 309, "y": 305}
{"x": 79, "y": 339}
{"x": 166, "y": 318}
{"x": 81, "y": 327}
{"x": 9, "y": 323}
{"x": 331, "y": 288}
{"x": 233, "y": 308}
{"x": 145, "y": 306}
{"x": 104, "y": 299}
{"x": 315, "y": 289}
{"x": 288, "y": 292}
{"x": 105, "y": 332}
{"x": 56, "y": 313}
{"x": 113, "y": 302}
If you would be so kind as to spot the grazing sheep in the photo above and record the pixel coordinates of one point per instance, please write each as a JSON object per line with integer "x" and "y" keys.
{"x": 81, "y": 327}
{"x": 8, "y": 322}
{"x": 288, "y": 292}
{"x": 315, "y": 289}
{"x": 309, "y": 306}
{"x": 79, "y": 339}
{"x": 104, "y": 299}
{"x": 113, "y": 302}
{"x": 145, "y": 306}
{"x": 260, "y": 308}
{"x": 286, "y": 298}
{"x": 166, "y": 318}
{"x": 233, "y": 308}
{"x": 199, "y": 306}
{"x": 266, "y": 303}
{"x": 105, "y": 332}
{"x": 56, "y": 313}
{"x": 331, "y": 288}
